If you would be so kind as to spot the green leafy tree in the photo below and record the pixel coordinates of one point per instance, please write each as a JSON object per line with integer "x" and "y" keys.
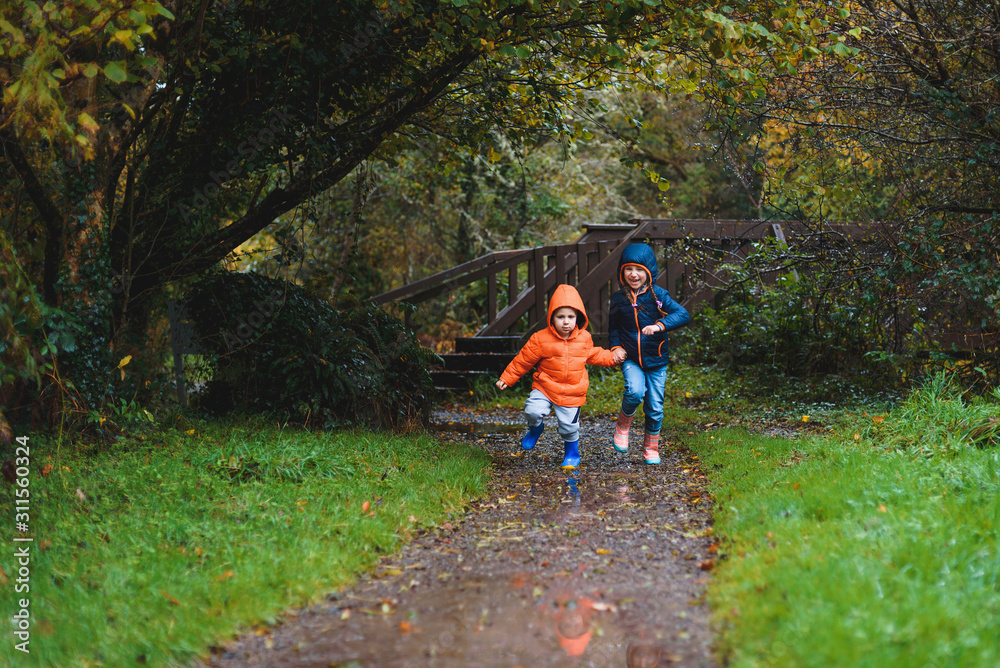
{"x": 143, "y": 142}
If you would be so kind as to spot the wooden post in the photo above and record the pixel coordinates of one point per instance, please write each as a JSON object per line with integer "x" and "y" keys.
{"x": 491, "y": 298}
{"x": 539, "y": 264}
{"x": 561, "y": 265}
{"x": 532, "y": 283}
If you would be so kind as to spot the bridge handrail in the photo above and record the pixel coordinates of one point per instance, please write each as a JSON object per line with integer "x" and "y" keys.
{"x": 593, "y": 282}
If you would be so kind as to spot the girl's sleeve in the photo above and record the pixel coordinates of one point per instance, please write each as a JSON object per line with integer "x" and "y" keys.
{"x": 526, "y": 358}
{"x": 676, "y": 315}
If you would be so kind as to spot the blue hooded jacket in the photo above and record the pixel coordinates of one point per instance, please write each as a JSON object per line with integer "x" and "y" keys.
{"x": 631, "y": 311}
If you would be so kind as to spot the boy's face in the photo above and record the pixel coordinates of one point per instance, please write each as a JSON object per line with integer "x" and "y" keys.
{"x": 634, "y": 276}
{"x": 564, "y": 320}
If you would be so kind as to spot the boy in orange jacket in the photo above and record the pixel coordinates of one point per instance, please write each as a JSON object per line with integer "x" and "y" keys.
{"x": 562, "y": 350}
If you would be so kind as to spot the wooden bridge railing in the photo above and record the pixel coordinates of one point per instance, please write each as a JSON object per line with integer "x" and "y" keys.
{"x": 591, "y": 264}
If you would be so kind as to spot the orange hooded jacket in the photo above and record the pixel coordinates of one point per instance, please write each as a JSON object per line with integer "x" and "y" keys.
{"x": 562, "y": 373}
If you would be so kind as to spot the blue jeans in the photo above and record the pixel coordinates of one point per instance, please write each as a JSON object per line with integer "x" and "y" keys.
{"x": 646, "y": 388}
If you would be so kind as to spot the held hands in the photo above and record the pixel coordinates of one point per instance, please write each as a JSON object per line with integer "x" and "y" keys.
{"x": 620, "y": 355}
{"x": 501, "y": 385}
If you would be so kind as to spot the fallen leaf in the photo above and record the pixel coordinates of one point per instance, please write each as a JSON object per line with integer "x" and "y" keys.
{"x": 80, "y": 495}
{"x": 881, "y": 508}
{"x": 601, "y": 550}
{"x": 225, "y": 576}
{"x": 171, "y": 599}
{"x": 346, "y": 613}
{"x": 405, "y": 627}
{"x": 878, "y": 419}
{"x": 365, "y": 506}
{"x": 46, "y": 470}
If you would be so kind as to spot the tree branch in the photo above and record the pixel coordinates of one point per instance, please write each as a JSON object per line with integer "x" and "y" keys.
{"x": 50, "y": 213}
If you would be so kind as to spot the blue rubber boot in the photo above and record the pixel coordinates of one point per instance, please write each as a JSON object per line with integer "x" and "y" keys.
{"x": 572, "y": 458}
{"x": 529, "y": 440}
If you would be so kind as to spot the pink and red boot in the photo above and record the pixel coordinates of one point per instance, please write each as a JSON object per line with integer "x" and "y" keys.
{"x": 650, "y": 448}
{"x": 621, "y": 431}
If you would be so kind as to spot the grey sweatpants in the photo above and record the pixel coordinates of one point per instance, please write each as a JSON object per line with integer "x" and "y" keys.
{"x": 538, "y": 406}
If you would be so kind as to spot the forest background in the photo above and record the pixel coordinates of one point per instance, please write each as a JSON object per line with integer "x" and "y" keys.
{"x": 271, "y": 164}
{"x": 338, "y": 150}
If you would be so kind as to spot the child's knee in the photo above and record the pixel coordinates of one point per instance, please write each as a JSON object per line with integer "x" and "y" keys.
{"x": 534, "y": 414}
{"x": 634, "y": 396}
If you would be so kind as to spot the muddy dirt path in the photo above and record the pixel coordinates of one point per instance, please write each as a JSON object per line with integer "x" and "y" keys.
{"x": 606, "y": 566}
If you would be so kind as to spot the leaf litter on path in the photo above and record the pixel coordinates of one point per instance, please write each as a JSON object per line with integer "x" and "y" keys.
{"x": 605, "y": 565}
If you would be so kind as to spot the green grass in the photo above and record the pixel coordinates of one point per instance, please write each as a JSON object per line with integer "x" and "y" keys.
{"x": 155, "y": 550}
{"x": 684, "y": 384}
{"x": 857, "y": 549}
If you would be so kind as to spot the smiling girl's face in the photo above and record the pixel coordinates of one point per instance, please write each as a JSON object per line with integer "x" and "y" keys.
{"x": 634, "y": 276}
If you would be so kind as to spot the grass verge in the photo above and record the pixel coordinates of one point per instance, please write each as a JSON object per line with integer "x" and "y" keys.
{"x": 860, "y": 547}
{"x": 152, "y": 552}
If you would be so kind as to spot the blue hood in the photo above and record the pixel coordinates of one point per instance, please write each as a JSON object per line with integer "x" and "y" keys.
{"x": 641, "y": 254}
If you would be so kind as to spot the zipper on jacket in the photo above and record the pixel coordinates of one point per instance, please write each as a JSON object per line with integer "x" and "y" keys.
{"x": 638, "y": 331}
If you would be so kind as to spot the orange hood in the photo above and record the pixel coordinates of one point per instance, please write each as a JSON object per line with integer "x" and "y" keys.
{"x": 566, "y": 295}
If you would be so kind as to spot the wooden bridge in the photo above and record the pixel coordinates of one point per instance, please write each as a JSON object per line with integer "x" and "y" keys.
{"x": 519, "y": 282}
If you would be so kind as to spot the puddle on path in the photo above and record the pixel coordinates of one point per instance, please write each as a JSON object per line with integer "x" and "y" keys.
{"x": 478, "y": 428}
{"x": 604, "y": 566}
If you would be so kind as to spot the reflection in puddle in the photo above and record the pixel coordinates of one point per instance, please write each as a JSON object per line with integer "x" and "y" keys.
{"x": 572, "y": 623}
{"x": 574, "y": 491}
{"x": 480, "y": 428}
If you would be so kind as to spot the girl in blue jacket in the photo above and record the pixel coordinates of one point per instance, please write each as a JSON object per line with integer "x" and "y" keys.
{"x": 641, "y": 315}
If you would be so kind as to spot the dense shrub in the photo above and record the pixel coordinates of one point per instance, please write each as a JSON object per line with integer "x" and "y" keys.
{"x": 271, "y": 347}
{"x": 795, "y": 327}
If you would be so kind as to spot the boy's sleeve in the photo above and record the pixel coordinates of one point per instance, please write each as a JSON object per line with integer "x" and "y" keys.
{"x": 596, "y": 354}
{"x": 601, "y": 357}
{"x": 526, "y": 358}
{"x": 676, "y": 315}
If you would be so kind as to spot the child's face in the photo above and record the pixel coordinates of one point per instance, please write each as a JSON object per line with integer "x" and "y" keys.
{"x": 634, "y": 276}
{"x": 564, "y": 320}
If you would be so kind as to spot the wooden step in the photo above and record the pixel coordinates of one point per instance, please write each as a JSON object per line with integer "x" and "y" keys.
{"x": 463, "y": 381}
{"x": 493, "y": 362}
{"x": 490, "y": 344}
